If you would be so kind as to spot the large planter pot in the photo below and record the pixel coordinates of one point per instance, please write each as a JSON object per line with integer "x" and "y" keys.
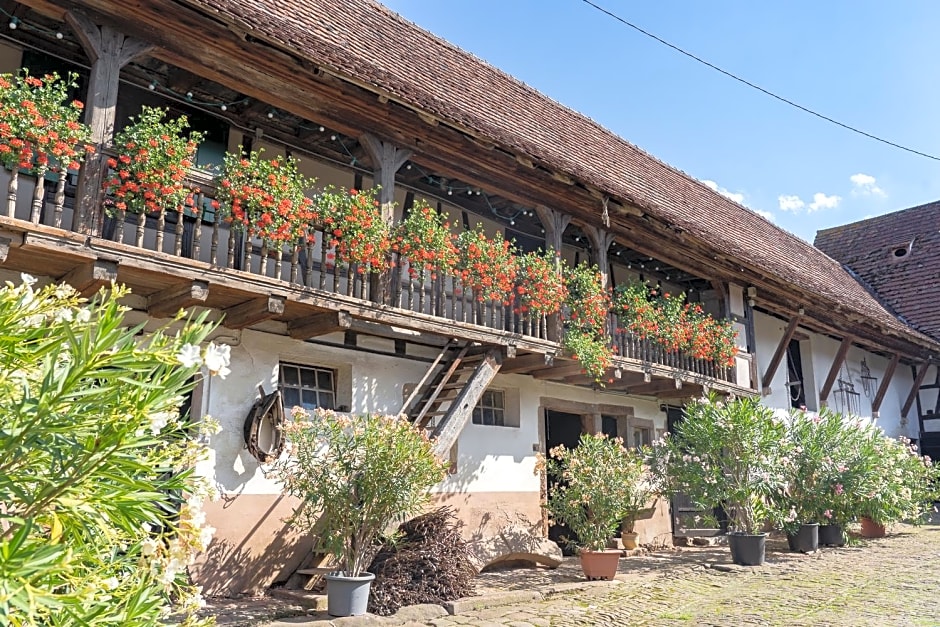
{"x": 628, "y": 539}
{"x": 599, "y": 564}
{"x": 347, "y": 596}
{"x": 871, "y": 529}
{"x": 806, "y": 540}
{"x": 831, "y": 535}
{"x": 747, "y": 549}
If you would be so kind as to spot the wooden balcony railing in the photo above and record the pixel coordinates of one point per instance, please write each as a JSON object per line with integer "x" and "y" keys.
{"x": 310, "y": 263}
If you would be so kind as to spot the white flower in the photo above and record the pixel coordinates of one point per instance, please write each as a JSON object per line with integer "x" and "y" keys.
{"x": 28, "y": 279}
{"x": 63, "y": 315}
{"x": 218, "y": 357}
{"x": 160, "y": 419}
{"x": 148, "y": 547}
{"x": 111, "y": 583}
{"x": 189, "y": 356}
{"x": 83, "y": 315}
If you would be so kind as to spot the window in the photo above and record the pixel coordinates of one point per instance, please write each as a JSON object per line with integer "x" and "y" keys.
{"x": 491, "y": 410}
{"x": 642, "y": 436}
{"x": 307, "y": 387}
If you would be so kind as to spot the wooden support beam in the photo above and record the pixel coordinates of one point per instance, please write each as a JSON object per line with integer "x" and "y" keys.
{"x": 915, "y": 388}
{"x": 779, "y": 353}
{"x": 387, "y": 159}
{"x": 253, "y": 311}
{"x": 319, "y": 324}
{"x": 554, "y": 222}
{"x": 527, "y": 363}
{"x": 108, "y": 50}
{"x": 559, "y": 372}
{"x": 90, "y": 277}
{"x": 883, "y": 388}
{"x": 166, "y": 303}
{"x": 601, "y": 240}
{"x": 835, "y": 368}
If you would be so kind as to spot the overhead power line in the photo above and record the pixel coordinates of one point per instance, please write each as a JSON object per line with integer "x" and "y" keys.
{"x": 758, "y": 87}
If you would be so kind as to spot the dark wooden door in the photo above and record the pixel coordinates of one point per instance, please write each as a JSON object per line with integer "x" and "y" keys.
{"x": 561, "y": 428}
{"x": 689, "y": 520}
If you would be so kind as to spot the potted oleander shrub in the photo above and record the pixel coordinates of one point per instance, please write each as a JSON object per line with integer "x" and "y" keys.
{"x": 354, "y": 476}
{"x": 815, "y": 458}
{"x": 596, "y": 486}
{"x": 897, "y": 485}
{"x": 725, "y": 454}
{"x": 640, "y": 493}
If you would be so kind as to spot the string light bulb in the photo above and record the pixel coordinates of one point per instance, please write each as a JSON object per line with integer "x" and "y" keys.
{"x": 270, "y": 115}
{"x": 223, "y": 107}
{"x": 14, "y": 22}
{"x": 152, "y": 86}
{"x": 333, "y": 137}
{"x": 59, "y": 35}
{"x": 189, "y": 95}
{"x": 322, "y": 129}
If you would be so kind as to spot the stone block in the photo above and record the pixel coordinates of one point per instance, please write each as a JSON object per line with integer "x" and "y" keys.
{"x": 514, "y": 544}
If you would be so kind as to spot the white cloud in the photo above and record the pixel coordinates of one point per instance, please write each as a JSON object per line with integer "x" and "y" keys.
{"x": 765, "y": 214}
{"x": 865, "y": 185}
{"x": 790, "y": 203}
{"x": 822, "y": 201}
{"x": 737, "y": 197}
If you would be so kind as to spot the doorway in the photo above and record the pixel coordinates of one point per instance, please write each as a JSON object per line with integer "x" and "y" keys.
{"x": 689, "y": 520}
{"x": 561, "y": 428}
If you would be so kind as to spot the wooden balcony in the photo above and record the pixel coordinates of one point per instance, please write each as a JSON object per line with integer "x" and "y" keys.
{"x": 172, "y": 261}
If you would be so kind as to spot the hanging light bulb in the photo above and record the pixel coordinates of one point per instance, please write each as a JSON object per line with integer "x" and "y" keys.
{"x": 322, "y": 129}
{"x": 14, "y": 22}
{"x": 152, "y": 86}
{"x": 270, "y": 115}
{"x": 224, "y": 107}
{"x": 59, "y": 35}
{"x": 333, "y": 137}
{"x": 189, "y": 95}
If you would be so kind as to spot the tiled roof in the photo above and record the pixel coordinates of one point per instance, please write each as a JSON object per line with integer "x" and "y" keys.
{"x": 898, "y": 255}
{"x": 369, "y": 44}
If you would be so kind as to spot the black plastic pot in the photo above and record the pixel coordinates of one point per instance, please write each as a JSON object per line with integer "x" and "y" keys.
{"x": 747, "y": 549}
{"x": 831, "y": 535}
{"x": 806, "y": 540}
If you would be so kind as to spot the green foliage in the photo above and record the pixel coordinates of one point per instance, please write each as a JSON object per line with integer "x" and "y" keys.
{"x": 670, "y": 321}
{"x": 897, "y": 484}
{"x": 267, "y": 197}
{"x": 587, "y": 304}
{"x": 352, "y": 222}
{"x": 725, "y": 453}
{"x": 600, "y": 482}
{"x": 39, "y": 126}
{"x": 101, "y": 512}
{"x": 821, "y": 473}
{"x": 355, "y": 476}
{"x": 423, "y": 238}
{"x": 153, "y": 158}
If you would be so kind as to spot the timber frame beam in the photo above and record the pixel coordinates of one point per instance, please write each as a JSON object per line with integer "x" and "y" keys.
{"x": 780, "y": 352}
{"x": 835, "y": 368}
{"x": 883, "y": 388}
{"x": 915, "y": 389}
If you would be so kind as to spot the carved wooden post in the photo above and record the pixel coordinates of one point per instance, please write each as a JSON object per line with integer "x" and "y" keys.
{"x": 600, "y": 242}
{"x": 387, "y": 159}
{"x": 108, "y": 51}
{"x": 555, "y": 224}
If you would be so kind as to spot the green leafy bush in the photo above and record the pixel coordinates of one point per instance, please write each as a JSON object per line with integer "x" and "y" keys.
{"x": 100, "y": 511}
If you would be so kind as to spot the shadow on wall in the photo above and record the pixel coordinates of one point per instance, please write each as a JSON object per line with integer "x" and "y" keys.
{"x": 254, "y": 549}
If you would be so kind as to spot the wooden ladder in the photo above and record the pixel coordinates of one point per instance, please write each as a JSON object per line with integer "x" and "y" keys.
{"x": 444, "y": 399}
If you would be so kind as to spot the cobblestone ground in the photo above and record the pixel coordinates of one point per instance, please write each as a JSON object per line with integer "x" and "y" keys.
{"x": 890, "y": 582}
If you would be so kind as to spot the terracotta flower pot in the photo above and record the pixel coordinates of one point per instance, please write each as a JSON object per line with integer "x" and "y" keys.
{"x": 599, "y": 564}
{"x": 871, "y": 529}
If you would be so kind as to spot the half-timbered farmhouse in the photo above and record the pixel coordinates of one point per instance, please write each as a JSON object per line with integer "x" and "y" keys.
{"x": 365, "y": 98}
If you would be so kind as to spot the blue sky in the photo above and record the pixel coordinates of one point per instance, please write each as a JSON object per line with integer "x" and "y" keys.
{"x": 869, "y": 64}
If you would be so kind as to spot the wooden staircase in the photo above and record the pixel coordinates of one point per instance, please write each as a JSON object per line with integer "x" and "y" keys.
{"x": 444, "y": 399}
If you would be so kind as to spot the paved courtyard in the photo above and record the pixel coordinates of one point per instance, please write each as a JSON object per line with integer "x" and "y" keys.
{"x": 886, "y": 582}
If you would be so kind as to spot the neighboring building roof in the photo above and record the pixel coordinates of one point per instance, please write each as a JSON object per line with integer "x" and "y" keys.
{"x": 898, "y": 256}
{"x": 371, "y": 45}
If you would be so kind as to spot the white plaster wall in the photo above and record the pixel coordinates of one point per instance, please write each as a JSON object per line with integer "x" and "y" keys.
{"x": 502, "y": 459}
{"x": 816, "y": 365}
{"x": 376, "y": 384}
